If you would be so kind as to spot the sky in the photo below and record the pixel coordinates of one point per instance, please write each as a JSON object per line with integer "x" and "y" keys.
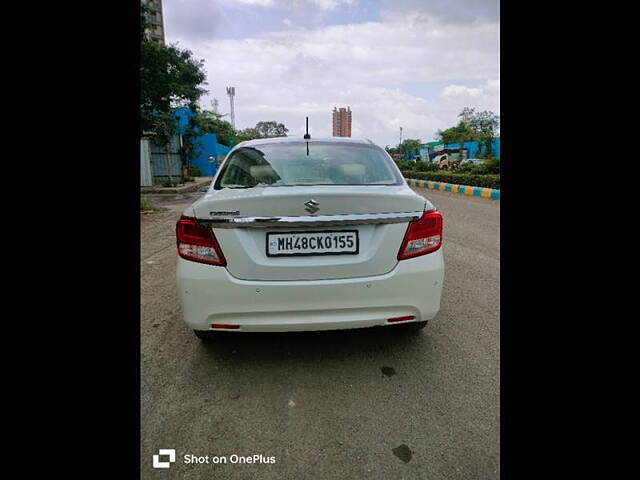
{"x": 413, "y": 64}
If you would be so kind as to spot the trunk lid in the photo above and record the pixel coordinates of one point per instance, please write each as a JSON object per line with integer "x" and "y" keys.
{"x": 245, "y": 248}
{"x": 290, "y": 201}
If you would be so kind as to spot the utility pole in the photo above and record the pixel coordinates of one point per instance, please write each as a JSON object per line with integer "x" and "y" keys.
{"x": 400, "y": 137}
{"x": 231, "y": 91}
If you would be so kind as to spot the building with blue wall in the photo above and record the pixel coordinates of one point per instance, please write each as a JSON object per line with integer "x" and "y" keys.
{"x": 207, "y": 146}
{"x": 474, "y": 149}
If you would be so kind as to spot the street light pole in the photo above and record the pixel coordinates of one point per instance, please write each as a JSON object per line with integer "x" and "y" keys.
{"x": 231, "y": 91}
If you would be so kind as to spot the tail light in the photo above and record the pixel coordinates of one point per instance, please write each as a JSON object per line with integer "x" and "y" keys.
{"x": 197, "y": 243}
{"x": 423, "y": 236}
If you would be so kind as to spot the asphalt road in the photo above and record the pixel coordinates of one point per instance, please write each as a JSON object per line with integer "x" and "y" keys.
{"x": 376, "y": 403}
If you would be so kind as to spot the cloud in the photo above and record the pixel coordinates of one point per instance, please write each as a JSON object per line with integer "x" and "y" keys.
{"x": 483, "y": 97}
{"x": 446, "y": 11}
{"x": 330, "y": 4}
{"x": 490, "y": 89}
{"x": 493, "y": 85}
{"x": 260, "y": 3}
{"x": 371, "y": 67}
{"x": 322, "y": 4}
{"x": 287, "y": 22}
{"x": 452, "y": 90}
{"x": 202, "y": 20}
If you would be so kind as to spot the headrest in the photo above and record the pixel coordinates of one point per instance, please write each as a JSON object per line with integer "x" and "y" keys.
{"x": 352, "y": 169}
{"x": 263, "y": 171}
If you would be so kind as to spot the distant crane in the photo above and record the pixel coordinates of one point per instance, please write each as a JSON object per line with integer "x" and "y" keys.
{"x": 231, "y": 91}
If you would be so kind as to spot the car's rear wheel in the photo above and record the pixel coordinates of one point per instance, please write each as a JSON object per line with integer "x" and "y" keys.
{"x": 205, "y": 335}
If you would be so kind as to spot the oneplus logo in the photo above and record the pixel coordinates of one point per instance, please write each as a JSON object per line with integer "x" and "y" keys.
{"x": 164, "y": 451}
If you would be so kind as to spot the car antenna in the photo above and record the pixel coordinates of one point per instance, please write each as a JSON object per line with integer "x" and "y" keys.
{"x": 307, "y": 137}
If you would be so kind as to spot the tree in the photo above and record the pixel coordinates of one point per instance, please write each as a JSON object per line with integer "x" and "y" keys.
{"x": 271, "y": 129}
{"x": 461, "y": 133}
{"x": 211, "y": 122}
{"x": 193, "y": 130}
{"x": 408, "y": 145}
{"x": 248, "y": 134}
{"x": 169, "y": 77}
{"x": 473, "y": 126}
{"x": 486, "y": 124}
{"x": 268, "y": 129}
{"x": 391, "y": 150}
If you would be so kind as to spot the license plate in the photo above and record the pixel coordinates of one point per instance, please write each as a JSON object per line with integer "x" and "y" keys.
{"x": 339, "y": 242}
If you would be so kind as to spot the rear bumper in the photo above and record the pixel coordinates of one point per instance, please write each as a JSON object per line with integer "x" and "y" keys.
{"x": 211, "y": 295}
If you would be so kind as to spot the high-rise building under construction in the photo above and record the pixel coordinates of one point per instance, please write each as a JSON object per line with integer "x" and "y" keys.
{"x": 341, "y": 122}
{"x": 155, "y": 21}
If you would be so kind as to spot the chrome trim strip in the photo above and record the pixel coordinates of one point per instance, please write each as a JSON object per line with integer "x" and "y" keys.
{"x": 310, "y": 221}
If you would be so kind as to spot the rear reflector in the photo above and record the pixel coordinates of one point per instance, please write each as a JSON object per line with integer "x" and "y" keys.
{"x": 401, "y": 319}
{"x": 423, "y": 236}
{"x": 224, "y": 325}
{"x": 197, "y": 243}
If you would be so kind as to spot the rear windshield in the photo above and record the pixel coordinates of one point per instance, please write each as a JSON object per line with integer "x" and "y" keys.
{"x": 288, "y": 164}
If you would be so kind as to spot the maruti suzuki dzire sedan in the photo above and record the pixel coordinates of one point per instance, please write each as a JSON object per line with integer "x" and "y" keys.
{"x": 316, "y": 234}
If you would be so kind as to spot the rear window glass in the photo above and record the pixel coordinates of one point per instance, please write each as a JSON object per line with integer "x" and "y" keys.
{"x": 288, "y": 164}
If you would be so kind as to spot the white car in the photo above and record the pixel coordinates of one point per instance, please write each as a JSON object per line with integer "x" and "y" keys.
{"x": 316, "y": 234}
{"x": 473, "y": 161}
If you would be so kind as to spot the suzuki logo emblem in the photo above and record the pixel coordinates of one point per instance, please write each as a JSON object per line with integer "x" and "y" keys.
{"x": 312, "y": 206}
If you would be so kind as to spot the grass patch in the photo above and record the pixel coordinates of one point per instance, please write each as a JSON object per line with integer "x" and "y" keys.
{"x": 169, "y": 184}
{"x": 146, "y": 204}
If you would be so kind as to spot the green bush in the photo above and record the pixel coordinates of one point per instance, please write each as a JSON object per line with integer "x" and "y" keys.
{"x": 404, "y": 164}
{"x": 468, "y": 168}
{"x": 492, "y": 165}
{"x": 472, "y": 169}
{"x": 471, "y": 179}
{"x": 426, "y": 167}
{"x": 419, "y": 165}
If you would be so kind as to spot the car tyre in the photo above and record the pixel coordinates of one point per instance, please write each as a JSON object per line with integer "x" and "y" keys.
{"x": 205, "y": 335}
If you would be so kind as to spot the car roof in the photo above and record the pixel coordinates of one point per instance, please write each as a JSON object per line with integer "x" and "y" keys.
{"x": 342, "y": 140}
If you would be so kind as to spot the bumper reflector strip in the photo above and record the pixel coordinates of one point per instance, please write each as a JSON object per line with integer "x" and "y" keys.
{"x": 401, "y": 319}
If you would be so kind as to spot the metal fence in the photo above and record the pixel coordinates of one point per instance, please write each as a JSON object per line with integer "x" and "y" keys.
{"x": 165, "y": 160}
{"x": 146, "y": 179}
